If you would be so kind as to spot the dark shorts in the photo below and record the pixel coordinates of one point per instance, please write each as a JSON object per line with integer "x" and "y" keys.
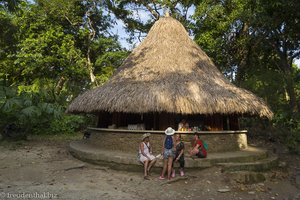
{"x": 200, "y": 154}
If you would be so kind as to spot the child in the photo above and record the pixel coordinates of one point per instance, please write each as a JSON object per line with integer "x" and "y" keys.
{"x": 179, "y": 155}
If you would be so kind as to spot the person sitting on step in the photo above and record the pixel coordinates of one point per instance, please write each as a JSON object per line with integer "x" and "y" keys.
{"x": 198, "y": 148}
{"x": 145, "y": 155}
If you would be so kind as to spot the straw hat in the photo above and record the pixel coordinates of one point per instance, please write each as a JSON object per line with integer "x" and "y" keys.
{"x": 169, "y": 131}
{"x": 145, "y": 135}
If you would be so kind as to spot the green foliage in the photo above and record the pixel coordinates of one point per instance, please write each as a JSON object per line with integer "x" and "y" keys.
{"x": 288, "y": 125}
{"x": 67, "y": 124}
{"x": 139, "y": 16}
{"x": 293, "y": 140}
{"x": 221, "y": 30}
{"x": 255, "y": 44}
{"x": 48, "y": 51}
{"x": 25, "y": 110}
{"x": 107, "y": 56}
{"x": 32, "y": 113}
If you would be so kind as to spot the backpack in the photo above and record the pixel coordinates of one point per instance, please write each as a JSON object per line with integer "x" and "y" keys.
{"x": 169, "y": 142}
{"x": 205, "y": 145}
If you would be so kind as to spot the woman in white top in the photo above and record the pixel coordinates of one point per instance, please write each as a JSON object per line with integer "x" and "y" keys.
{"x": 145, "y": 154}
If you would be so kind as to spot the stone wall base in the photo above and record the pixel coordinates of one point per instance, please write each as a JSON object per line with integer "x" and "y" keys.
{"x": 129, "y": 142}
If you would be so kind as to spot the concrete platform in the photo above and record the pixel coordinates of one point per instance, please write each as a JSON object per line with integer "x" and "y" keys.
{"x": 88, "y": 152}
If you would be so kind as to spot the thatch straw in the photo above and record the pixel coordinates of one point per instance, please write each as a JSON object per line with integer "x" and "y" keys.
{"x": 168, "y": 72}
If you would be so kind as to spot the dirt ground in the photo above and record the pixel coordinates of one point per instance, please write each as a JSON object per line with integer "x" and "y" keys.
{"x": 45, "y": 169}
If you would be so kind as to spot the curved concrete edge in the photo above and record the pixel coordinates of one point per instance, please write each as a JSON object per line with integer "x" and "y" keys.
{"x": 85, "y": 151}
{"x": 258, "y": 166}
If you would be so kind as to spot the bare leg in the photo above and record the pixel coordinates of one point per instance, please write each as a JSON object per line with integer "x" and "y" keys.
{"x": 164, "y": 168}
{"x": 194, "y": 152}
{"x": 146, "y": 162}
{"x": 150, "y": 166}
{"x": 170, "y": 161}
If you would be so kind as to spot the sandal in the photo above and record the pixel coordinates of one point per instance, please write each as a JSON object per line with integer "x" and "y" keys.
{"x": 181, "y": 173}
{"x": 173, "y": 173}
{"x": 146, "y": 178}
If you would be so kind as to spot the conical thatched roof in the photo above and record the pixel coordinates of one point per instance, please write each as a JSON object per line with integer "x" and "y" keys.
{"x": 168, "y": 72}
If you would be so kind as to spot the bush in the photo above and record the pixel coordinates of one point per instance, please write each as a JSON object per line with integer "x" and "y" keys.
{"x": 28, "y": 111}
{"x": 68, "y": 124}
{"x": 284, "y": 128}
{"x": 32, "y": 112}
{"x": 13, "y": 132}
{"x": 288, "y": 126}
{"x": 293, "y": 141}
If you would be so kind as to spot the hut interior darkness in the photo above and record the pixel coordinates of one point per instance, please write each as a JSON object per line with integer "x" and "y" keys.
{"x": 160, "y": 121}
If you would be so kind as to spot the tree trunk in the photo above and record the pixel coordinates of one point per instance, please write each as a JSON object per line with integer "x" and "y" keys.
{"x": 290, "y": 85}
{"x": 91, "y": 37}
{"x": 243, "y": 52}
{"x": 91, "y": 69}
{"x": 291, "y": 92}
{"x": 60, "y": 85}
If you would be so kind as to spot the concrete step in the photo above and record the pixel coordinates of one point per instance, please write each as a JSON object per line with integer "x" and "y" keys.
{"x": 250, "y": 154}
{"x": 85, "y": 151}
{"x": 256, "y": 166}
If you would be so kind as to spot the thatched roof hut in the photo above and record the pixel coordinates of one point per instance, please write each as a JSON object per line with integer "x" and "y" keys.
{"x": 168, "y": 72}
